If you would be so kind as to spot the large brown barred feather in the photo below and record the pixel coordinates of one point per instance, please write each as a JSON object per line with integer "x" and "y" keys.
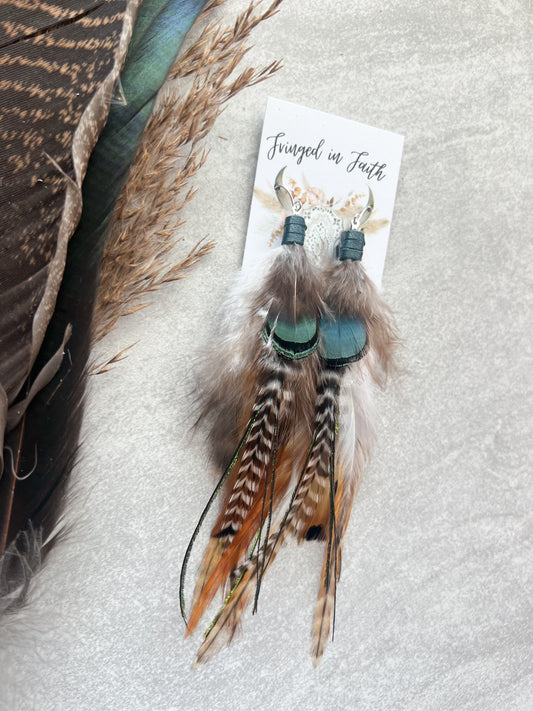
{"x": 59, "y": 66}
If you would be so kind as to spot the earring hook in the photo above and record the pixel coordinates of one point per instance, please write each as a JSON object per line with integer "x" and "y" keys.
{"x": 362, "y": 216}
{"x": 285, "y": 198}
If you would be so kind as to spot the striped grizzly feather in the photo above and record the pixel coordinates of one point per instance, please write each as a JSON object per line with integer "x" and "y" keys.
{"x": 350, "y": 295}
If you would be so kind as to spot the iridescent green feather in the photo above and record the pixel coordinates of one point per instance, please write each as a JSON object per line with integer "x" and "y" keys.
{"x": 292, "y": 340}
{"x": 342, "y": 340}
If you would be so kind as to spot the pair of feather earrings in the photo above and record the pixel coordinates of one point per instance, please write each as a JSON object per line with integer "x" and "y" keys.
{"x": 290, "y": 414}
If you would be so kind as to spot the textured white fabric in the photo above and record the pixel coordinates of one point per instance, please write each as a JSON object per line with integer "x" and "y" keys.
{"x": 434, "y": 606}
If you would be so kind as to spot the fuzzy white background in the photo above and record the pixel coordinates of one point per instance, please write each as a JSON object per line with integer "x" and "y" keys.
{"x": 434, "y": 609}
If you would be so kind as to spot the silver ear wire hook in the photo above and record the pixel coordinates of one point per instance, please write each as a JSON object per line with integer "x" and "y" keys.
{"x": 285, "y": 199}
{"x": 361, "y": 217}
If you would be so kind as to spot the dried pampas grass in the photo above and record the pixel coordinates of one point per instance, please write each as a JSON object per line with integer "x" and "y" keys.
{"x": 146, "y": 221}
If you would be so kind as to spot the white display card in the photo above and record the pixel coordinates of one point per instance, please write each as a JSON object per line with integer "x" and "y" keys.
{"x": 331, "y": 163}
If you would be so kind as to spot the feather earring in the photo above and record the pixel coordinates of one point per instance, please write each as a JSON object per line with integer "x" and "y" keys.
{"x": 358, "y": 338}
{"x": 266, "y": 362}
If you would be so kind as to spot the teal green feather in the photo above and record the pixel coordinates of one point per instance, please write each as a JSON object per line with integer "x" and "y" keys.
{"x": 292, "y": 340}
{"x": 159, "y": 31}
{"x": 342, "y": 340}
